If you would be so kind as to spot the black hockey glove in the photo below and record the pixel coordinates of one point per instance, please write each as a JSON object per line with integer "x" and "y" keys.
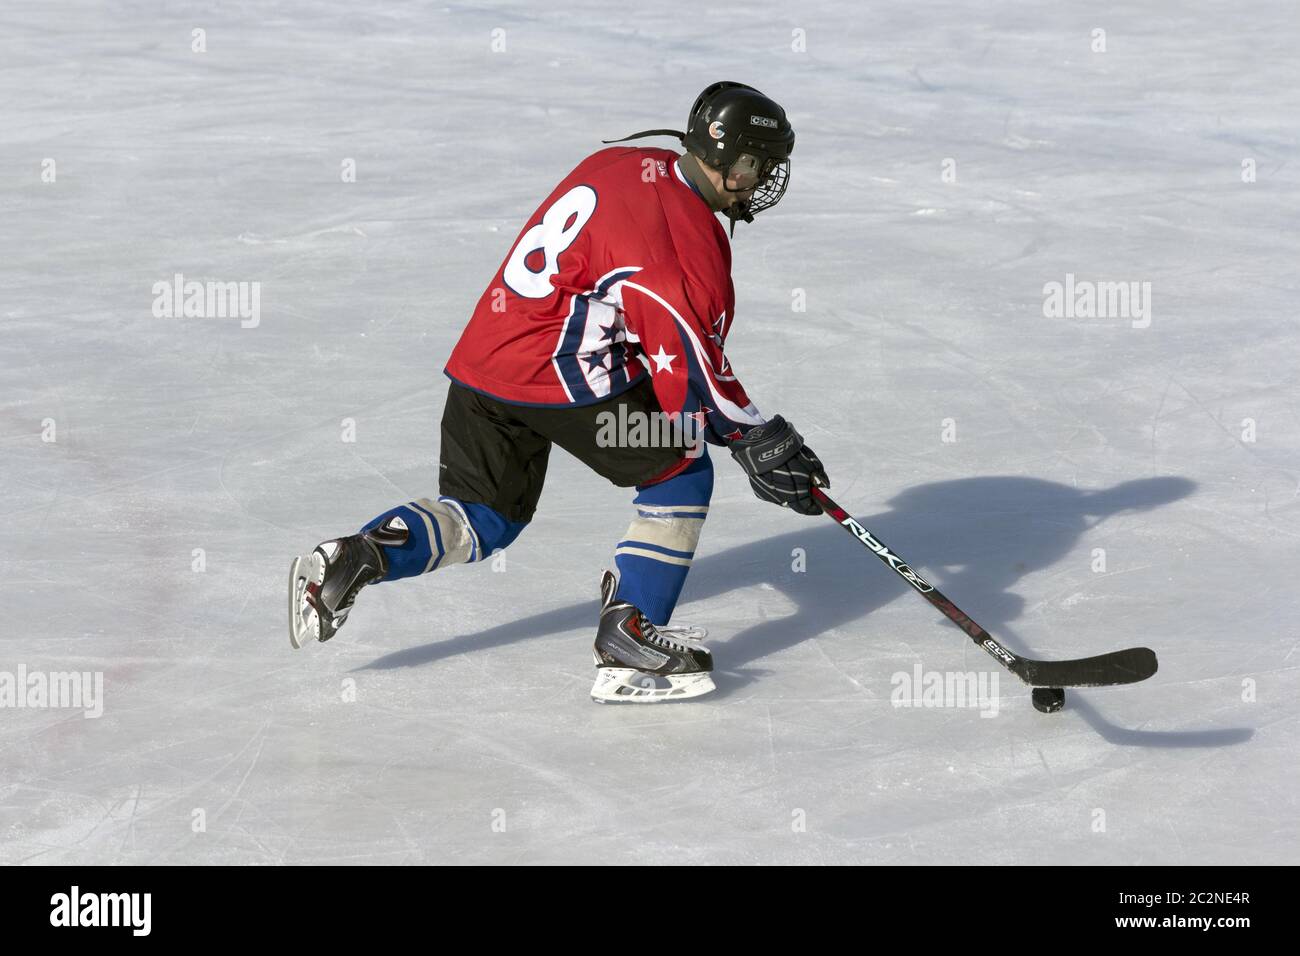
{"x": 781, "y": 468}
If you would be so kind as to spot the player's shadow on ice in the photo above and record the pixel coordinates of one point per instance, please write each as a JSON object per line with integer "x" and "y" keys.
{"x": 973, "y": 537}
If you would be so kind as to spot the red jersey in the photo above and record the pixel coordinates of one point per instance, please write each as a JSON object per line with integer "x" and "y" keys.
{"x": 624, "y": 271}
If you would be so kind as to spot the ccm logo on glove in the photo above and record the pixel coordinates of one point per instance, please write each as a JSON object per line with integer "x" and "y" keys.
{"x": 781, "y": 468}
{"x": 782, "y": 449}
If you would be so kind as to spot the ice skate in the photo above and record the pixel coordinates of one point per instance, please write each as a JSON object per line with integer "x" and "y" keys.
{"x": 639, "y": 663}
{"x": 324, "y": 584}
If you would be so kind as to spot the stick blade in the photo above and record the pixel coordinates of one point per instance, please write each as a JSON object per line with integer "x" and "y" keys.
{"x": 1118, "y": 667}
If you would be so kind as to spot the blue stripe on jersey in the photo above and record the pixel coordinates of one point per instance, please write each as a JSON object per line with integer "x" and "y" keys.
{"x": 698, "y": 396}
{"x": 567, "y": 359}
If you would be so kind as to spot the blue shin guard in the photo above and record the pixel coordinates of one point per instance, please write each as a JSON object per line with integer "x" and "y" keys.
{"x": 655, "y": 555}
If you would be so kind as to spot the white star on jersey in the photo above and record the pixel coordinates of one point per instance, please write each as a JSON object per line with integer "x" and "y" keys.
{"x": 663, "y": 361}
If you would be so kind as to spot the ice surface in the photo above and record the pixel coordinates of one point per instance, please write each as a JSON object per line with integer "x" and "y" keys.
{"x": 471, "y": 737}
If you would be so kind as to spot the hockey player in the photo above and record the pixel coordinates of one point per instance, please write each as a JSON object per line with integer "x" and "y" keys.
{"x": 614, "y": 303}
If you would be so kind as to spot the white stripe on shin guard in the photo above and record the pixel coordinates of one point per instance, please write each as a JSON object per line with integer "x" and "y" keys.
{"x": 453, "y": 530}
{"x": 647, "y": 535}
{"x": 475, "y": 548}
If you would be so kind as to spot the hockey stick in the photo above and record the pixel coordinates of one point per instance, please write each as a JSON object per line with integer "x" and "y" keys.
{"x": 1118, "y": 667}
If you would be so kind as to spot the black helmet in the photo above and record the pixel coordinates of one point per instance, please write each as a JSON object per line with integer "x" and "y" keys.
{"x": 743, "y": 134}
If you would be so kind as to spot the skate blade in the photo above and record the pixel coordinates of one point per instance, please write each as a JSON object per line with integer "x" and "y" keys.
{"x": 625, "y": 685}
{"x": 304, "y": 623}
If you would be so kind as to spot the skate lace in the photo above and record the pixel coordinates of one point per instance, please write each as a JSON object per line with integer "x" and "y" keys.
{"x": 685, "y": 632}
{"x": 656, "y": 636}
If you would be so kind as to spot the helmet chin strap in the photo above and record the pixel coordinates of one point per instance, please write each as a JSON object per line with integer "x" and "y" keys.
{"x": 693, "y": 171}
{"x": 718, "y": 200}
{"x": 738, "y": 213}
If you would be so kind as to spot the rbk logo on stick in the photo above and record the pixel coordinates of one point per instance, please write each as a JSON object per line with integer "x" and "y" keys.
{"x": 894, "y": 560}
{"x": 1126, "y": 666}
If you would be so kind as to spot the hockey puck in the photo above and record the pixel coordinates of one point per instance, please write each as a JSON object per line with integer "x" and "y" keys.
{"x": 1048, "y": 700}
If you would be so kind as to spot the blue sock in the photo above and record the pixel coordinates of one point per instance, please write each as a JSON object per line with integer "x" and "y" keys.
{"x": 655, "y": 555}
{"x": 446, "y": 531}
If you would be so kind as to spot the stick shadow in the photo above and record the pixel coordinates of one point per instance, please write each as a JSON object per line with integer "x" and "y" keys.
{"x": 974, "y": 537}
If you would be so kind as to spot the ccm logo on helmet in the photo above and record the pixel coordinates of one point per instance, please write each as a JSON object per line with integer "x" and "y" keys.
{"x": 716, "y": 130}
{"x": 763, "y": 121}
